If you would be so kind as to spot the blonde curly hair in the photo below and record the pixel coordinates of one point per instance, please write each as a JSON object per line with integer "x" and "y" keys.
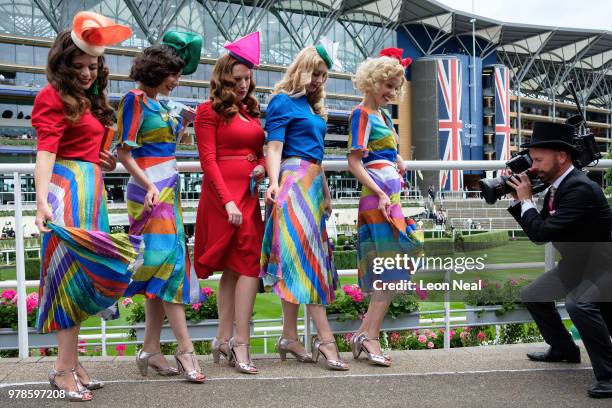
{"x": 299, "y": 75}
{"x": 372, "y": 72}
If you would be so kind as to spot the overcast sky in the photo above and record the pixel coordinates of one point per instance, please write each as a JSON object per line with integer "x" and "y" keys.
{"x": 590, "y": 14}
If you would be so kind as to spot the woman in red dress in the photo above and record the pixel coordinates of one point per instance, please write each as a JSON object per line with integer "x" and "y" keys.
{"x": 229, "y": 227}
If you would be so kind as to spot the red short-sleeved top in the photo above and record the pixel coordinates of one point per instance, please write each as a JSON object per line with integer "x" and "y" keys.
{"x": 56, "y": 134}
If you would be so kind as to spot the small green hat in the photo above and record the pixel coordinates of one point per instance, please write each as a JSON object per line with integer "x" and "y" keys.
{"x": 188, "y": 46}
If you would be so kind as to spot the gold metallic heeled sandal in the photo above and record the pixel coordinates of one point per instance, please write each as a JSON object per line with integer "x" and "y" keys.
{"x": 329, "y": 363}
{"x": 217, "y": 352}
{"x": 357, "y": 347}
{"x": 248, "y": 367}
{"x": 282, "y": 345}
{"x": 142, "y": 360}
{"x": 69, "y": 395}
{"x": 93, "y": 383}
{"x": 194, "y": 375}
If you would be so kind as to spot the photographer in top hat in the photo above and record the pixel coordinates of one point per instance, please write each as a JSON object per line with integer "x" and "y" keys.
{"x": 576, "y": 217}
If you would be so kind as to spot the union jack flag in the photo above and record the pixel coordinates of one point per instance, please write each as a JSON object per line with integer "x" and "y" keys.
{"x": 450, "y": 123}
{"x": 502, "y": 115}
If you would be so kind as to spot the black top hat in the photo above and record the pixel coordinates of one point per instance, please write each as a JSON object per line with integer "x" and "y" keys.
{"x": 558, "y": 136}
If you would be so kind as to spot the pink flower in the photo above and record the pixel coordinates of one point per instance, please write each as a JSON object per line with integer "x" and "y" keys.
{"x": 120, "y": 348}
{"x": 8, "y": 294}
{"x": 82, "y": 346}
{"x": 207, "y": 291}
{"x": 433, "y": 335}
{"x": 348, "y": 337}
{"x": 513, "y": 282}
{"x": 463, "y": 335}
{"x": 351, "y": 289}
{"x": 430, "y": 345}
{"x": 196, "y": 306}
{"x": 421, "y": 293}
{"x": 481, "y": 336}
{"x": 127, "y": 301}
{"x": 42, "y": 351}
{"x": 417, "y": 332}
{"x": 452, "y": 333}
{"x": 422, "y": 338}
{"x": 357, "y": 296}
{"x": 426, "y": 332}
{"x": 31, "y": 302}
{"x": 395, "y": 337}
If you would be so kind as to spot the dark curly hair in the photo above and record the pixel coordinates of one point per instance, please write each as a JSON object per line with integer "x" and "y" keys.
{"x": 154, "y": 64}
{"x": 63, "y": 77}
{"x": 222, "y": 84}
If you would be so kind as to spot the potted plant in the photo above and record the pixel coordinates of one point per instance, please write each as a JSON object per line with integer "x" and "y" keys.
{"x": 346, "y": 312}
{"x": 9, "y": 337}
{"x": 202, "y": 319}
{"x": 500, "y": 303}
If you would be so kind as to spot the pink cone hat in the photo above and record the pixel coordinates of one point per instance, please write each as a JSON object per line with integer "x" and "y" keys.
{"x": 246, "y": 49}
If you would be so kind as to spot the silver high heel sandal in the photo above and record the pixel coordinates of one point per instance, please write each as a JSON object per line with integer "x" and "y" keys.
{"x": 248, "y": 367}
{"x": 69, "y": 395}
{"x": 331, "y": 364}
{"x": 194, "y": 375}
{"x": 93, "y": 384}
{"x": 357, "y": 347}
{"x": 217, "y": 352}
{"x": 142, "y": 360}
{"x": 282, "y": 345}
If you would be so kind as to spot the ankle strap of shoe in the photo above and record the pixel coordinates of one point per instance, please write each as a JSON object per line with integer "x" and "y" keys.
{"x": 180, "y": 353}
{"x": 327, "y": 342}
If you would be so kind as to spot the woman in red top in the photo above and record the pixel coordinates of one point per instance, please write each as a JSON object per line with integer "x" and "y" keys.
{"x": 84, "y": 268}
{"x": 229, "y": 227}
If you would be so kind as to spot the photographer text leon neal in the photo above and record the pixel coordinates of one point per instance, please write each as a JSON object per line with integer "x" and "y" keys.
{"x": 576, "y": 218}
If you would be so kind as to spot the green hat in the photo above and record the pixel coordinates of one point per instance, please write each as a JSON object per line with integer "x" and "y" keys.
{"x": 188, "y": 46}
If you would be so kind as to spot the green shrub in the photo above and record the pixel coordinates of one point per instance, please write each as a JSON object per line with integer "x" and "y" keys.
{"x": 484, "y": 240}
{"x": 345, "y": 259}
{"x": 32, "y": 269}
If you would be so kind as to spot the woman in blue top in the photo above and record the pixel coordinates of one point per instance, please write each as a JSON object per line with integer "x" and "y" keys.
{"x": 296, "y": 257}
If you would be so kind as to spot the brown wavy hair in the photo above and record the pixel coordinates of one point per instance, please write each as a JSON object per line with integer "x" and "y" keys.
{"x": 63, "y": 77}
{"x": 222, "y": 84}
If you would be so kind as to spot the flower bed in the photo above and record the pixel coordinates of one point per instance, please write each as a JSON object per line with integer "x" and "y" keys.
{"x": 202, "y": 319}
{"x": 346, "y": 312}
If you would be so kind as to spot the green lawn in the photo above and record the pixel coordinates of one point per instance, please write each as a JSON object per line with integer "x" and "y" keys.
{"x": 267, "y": 306}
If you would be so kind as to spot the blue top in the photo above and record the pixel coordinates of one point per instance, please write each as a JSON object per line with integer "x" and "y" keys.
{"x": 291, "y": 121}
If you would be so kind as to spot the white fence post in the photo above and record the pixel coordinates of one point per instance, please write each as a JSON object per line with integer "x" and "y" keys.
{"x": 103, "y": 337}
{"x": 22, "y": 312}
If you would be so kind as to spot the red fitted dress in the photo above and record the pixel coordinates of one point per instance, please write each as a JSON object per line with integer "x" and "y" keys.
{"x": 218, "y": 244}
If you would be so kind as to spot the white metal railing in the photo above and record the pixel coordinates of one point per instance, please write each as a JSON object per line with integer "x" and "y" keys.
{"x": 17, "y": 170}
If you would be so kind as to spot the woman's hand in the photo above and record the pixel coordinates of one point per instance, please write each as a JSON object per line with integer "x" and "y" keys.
{"x": 107, "y": 160}
{"x": 259, "y": 173}
{"x": 151, "y": 198}
{"x": 384, "y": 204}
{"x": 401, "y": 166}
{"x": 327, "y": 202}
{"x": 233, "y": 213}
{"x": 43, "y": 214}
{"x": 272, "y": 193}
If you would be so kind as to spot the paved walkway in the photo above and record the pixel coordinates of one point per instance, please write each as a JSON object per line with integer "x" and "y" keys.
{"x": 491, "y": 377}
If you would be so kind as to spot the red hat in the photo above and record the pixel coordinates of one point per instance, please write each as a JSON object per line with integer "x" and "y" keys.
{"x": 92, "y": 32}
{"x": 397, "y": 54}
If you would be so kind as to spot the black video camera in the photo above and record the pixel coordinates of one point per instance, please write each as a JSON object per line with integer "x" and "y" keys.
{"x": 587, "y": 152}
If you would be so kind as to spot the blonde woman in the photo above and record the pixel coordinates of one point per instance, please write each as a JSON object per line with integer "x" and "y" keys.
{"x": 374, "y": 161}
{"x": 296, "y": 258}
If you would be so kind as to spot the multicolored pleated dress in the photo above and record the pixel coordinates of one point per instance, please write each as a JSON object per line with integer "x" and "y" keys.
{"x": 84, "y": 268}
{"x": 296, "y": 259}
{"x": 145, "y": 126}
{"x": 380, "y": 236}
